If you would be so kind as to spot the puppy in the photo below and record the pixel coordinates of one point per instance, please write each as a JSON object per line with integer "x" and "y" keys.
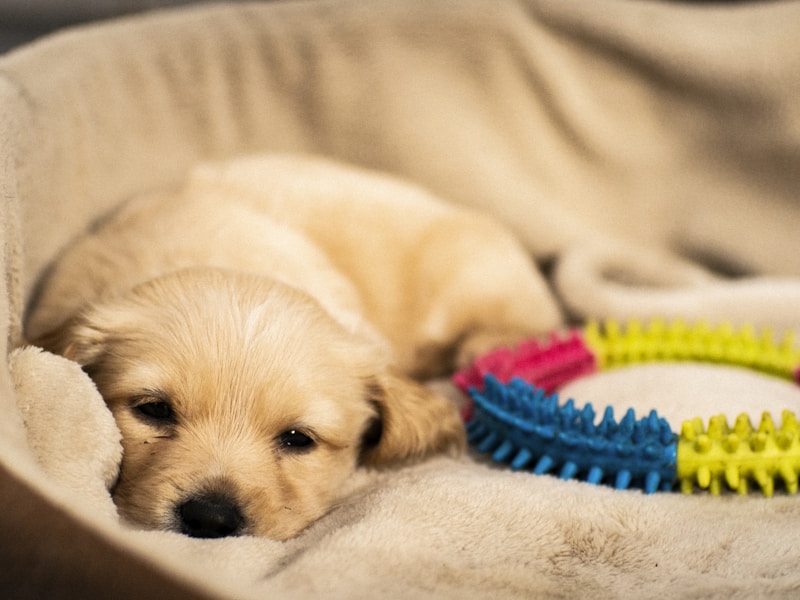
{"x": 256, "y": 333}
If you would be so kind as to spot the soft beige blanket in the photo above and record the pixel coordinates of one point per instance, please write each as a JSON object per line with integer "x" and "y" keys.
{"x": 645, "y": 152}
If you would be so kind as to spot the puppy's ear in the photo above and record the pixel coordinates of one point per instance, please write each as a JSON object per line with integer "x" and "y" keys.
{"x": 413, "y": 422}
{"x": 76, "y": 339}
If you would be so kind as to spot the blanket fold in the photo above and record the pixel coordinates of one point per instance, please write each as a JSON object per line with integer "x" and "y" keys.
{"x": 645, "y": 152}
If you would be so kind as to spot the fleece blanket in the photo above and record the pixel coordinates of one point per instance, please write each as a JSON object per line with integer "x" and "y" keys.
{"x": 647, "y": 154}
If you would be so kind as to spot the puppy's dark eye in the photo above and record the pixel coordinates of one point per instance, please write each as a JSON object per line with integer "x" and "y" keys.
{"x": 294, "y": 439}
{"x": 158, "y": 410}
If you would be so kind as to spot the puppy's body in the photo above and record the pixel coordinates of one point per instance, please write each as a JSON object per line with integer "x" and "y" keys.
{"x": 252, "y": 332}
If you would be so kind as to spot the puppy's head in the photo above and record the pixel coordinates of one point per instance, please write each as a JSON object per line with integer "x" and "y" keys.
{"x": 243, "y": 405}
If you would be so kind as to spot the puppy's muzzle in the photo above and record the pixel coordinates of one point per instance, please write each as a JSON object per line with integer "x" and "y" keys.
{"x": 210, "y": 516}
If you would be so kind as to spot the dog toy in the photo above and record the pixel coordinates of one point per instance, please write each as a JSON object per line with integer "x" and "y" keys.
{"x": 516, "y": 414}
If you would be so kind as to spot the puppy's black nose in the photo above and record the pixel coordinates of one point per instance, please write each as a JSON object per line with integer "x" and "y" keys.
{"x": 210, "y": 516}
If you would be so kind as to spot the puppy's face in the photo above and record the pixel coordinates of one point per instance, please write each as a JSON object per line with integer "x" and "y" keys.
{"x": 242, "y": 404}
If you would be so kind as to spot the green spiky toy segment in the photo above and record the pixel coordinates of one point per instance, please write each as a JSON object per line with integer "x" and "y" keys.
{"x": 615, "y": 346}
{"x": 736, "y": 455}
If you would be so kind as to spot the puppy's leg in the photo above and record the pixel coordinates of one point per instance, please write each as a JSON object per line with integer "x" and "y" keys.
{"x": 482, "y": 291}
{"x": 481, "y": 341}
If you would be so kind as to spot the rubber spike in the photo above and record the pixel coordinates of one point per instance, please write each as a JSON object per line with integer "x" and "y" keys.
{"x": 767, "y": 425}
{"x": 626, "y": 425}
{"x": 765, "y": 482}
{"x": 503, "y": 451}
{"x": 689, "y": 431}
{"x": 789, "y": 477}
{"x": 568, "y": 471}
{"x": 652, "y": 482}
{"x": 704, "y": 477}
{"x": 595, "y": 475}
{"x": 522, "y": 458}
{"x": 703, "y": 444}
{"x": 731, "y": 444}
{"x": 587, "y": 419}
{"x": 608, "y": 424}
{"x": 743, "y": 427}
{"x": 488, "y": 443}
{"x": 544, "y": 465}
{"x": 623, "y": 480}
{"x": 784, "y": 439}
{"x": 732, "y": 476}
{"x": 653, "y": 422}
{"x": 743, "y": 488}
{"x": 758, "y": 441}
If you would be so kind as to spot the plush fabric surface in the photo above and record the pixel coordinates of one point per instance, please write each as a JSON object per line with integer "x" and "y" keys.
{"x": 643, "y": 151}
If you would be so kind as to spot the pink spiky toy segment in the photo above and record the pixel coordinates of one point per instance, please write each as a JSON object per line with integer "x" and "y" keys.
{"x": 548, "y": 364}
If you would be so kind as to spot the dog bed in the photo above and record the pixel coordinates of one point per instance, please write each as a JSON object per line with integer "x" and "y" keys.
{"x": 648, "y": 155}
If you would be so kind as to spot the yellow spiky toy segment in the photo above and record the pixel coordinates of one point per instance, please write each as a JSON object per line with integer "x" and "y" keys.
{"x": 614, "y": 345}
{"x": 736, "y": 455}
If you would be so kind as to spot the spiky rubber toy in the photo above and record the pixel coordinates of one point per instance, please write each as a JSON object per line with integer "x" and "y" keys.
{"x": 518, "y": 418}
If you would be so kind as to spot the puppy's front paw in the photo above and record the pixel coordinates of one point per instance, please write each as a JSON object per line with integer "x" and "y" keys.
{"x": 481, "y": 341}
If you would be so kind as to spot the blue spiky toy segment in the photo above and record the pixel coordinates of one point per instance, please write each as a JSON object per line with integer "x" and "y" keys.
{"x": 521, "y": 425}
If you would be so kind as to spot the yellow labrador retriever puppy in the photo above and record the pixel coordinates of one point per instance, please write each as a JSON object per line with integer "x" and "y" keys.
{"x": 256, "y": 333}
